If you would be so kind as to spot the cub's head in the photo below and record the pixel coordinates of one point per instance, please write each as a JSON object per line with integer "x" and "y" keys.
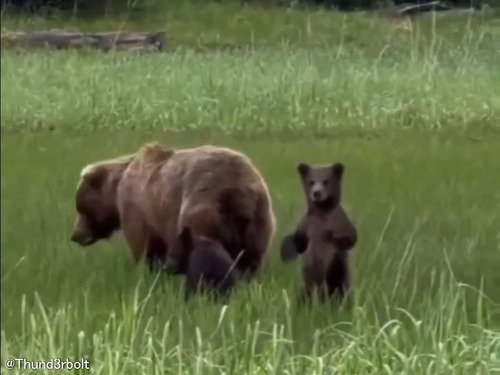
{"x": 97, "y": 212}
{"x": 322, "y": 185}
{"x": 178, "y": 254}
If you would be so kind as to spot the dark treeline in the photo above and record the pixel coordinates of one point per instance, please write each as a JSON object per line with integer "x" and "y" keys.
{"x": 96, "y": 7}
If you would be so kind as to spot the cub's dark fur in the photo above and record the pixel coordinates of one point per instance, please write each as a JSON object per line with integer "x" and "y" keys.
{"x": 208, "y": 268}
{"x": 324, "y": 235}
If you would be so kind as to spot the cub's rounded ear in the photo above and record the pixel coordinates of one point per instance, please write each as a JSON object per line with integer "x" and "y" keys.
{"x": 338, "y": 169}
{"x": 186, "y": 237}
{"x": 96, "y": 178}
{"x": 303, "y": 169}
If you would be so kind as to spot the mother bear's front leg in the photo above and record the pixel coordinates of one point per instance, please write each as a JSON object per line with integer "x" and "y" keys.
{"x": 143, "y": 242}
{"x": 205, "y": 219}
{"x": 156, "y": 251}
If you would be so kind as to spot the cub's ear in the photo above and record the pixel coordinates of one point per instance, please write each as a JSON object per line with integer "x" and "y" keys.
{"x": 303, "y": 169}
{"x": 96, "y": 178}
{"x": 338, "y": 170}
{"x": 186, "y": 238}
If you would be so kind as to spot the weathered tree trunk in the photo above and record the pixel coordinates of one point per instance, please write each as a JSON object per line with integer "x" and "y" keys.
{"x": 410, "y": 9}
{"x": 107, "y": 41}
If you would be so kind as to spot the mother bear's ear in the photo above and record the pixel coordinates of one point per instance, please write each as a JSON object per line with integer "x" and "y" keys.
{"x": 96, "y": 177}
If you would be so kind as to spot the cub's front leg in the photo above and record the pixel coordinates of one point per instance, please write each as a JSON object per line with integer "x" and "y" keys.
{"x": 295, "y": 243}
{"x": 344, "y": 233}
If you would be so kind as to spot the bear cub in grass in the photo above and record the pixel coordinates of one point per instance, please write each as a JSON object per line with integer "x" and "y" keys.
{"x": 206, "y": 264}
{"x": 324, "y": 235}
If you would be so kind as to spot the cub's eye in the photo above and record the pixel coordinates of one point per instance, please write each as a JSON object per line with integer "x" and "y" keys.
{"x": 311, "y": 183}
{"x": 325, "y": 182}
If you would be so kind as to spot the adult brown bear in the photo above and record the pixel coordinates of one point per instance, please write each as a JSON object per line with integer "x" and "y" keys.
{"x": 152, "y": 194}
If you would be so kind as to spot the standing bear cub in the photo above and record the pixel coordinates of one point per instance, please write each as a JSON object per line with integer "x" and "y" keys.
{"x": 207, "y": 266}
{"x": 324, "y": 235}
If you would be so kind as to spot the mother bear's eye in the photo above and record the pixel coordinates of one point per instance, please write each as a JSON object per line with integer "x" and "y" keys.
{"x": 311, "y": 183}
{"x": 325, "y": 182}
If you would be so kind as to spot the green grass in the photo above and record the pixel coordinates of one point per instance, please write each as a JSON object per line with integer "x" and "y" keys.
{"x": 228, "y": 24}
{"x": 254, "y": 92}
{"x": 414, "y": 115}
{"x": 249, "y": 70}
{"x": 425, "y": 270}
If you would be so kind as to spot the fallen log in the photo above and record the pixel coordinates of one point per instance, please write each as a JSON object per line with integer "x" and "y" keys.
{"x": 410, "y": 9}
{"x": 104, "y": 41}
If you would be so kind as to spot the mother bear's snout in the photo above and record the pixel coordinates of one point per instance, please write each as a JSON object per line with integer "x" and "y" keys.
{"x": 82, "y": 238}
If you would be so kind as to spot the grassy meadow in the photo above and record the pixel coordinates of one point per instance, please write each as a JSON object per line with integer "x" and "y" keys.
{"x": 411, "y": 108}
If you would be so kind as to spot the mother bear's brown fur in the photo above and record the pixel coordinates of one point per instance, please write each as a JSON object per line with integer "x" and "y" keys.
{"x": 152, "y": 194}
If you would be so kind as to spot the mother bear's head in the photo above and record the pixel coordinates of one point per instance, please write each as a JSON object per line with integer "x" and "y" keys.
{"x": 96, "y": 206}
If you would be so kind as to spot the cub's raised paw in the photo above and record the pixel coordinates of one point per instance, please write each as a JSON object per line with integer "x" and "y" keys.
{"x": 288, "y": 249}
